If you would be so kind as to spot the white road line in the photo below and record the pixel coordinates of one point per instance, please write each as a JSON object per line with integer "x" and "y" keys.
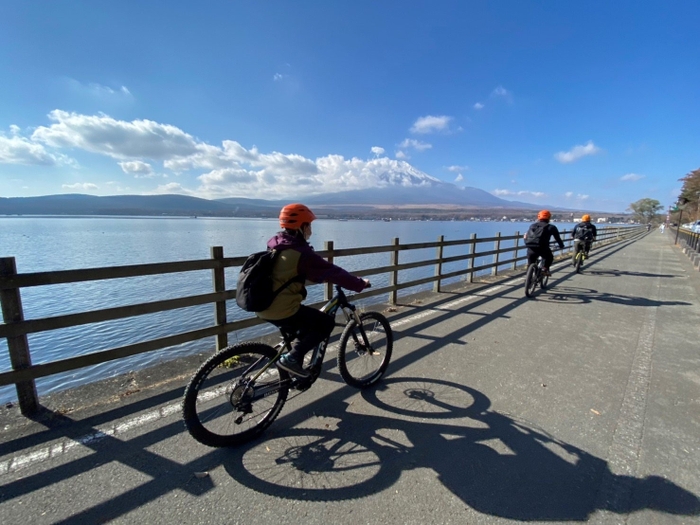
{"x": 56, "y": 450}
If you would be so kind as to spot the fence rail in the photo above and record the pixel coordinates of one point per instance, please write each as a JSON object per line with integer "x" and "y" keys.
{"x": 15, "y": 328}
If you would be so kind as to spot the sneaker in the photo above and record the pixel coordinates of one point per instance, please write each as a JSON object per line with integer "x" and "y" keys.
{"x": 546, "y": 273}
{"x": 291, "y": 365}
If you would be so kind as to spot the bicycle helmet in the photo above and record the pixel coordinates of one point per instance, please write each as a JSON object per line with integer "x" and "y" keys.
{"x": 586, "y": 218}
{"x": 292, "y": 216}
{"x": 544, "y": 215}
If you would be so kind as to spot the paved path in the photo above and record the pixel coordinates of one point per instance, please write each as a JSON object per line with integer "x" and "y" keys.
{"x": 582, "y": 404}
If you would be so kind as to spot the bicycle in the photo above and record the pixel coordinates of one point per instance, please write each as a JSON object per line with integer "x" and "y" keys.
{"x": 580, "y": 254}
{"x": 535, "y": 276}
{"x": 238, "y": 392}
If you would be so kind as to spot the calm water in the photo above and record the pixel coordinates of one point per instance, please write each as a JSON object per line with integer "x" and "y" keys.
{"x": 62, "y": 243}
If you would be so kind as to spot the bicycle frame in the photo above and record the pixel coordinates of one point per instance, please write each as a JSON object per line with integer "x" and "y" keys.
{"x": 338, "y": 302}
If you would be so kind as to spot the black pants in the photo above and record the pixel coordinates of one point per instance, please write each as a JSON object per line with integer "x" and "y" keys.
{"x": 581, "y": 244}
{"x": 544, "y": 252}
{"x": 313, "y": 326}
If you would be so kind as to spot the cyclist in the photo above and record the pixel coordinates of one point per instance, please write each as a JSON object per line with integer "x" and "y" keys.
{"x": 584, "y": 233}
{"x": 297, "y": 259}
{"x": 537, "y": 240}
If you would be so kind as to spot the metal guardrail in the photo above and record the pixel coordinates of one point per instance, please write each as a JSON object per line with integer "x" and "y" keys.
{"x": 15, "y": 328}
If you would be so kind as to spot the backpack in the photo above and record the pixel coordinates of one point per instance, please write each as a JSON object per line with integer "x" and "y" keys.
{"x": 534, "y": 236}
{"x": 254, "y": 290}
{"x": 584, "y": 232}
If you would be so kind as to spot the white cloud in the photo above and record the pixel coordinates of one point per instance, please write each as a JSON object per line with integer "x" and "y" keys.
{"x": 582, "y": 196}
{"x": 137, "y": 168}
{"x": 457, "y": 169}
{"x": 632, "y": 177}
{"x": 278, "y": 77}
{"x": 401, "y": 155}
{"x": 577, "y": 152}
{"x": 86, "y": 186}
{"x": 229, "y": 169}
{"x": 116, "y": 138}
{"x": 503, "y": 93}
{"x": 173, "y": 187}
{"x": 569, "y": 194}
{"x": 431, "y": 124}
{"x": 522, "y": 193}
{"x": 332, "y": 173}
{"x": 415, "y": 144}
{"x": 478, "y": 105}
{"x": 377, "y": 150}
{"x": 19, "y": 150}
{"x": 96, "y": 90}
{"x": 459, "y": 178}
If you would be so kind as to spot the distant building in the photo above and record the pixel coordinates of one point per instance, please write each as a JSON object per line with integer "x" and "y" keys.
{"x": 602, "y": 219}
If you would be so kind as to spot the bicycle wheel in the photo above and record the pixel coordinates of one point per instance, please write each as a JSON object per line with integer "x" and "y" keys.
{"x": 578, "y": 261}
{"x": 221, "y": 408}
{"x": 530, "y": 280}
{"x": 544, "y": 279}
{"x": 360, "y": 365}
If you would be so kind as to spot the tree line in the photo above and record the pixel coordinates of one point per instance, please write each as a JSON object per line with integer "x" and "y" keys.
{"x": 647, "y": 210}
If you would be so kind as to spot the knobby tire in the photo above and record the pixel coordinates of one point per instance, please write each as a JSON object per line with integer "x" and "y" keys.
{"x": 530, "y": 280}
{"x": 359, "y": 365}
{"x": 578, "y": 261}
{"x": 218, "y": 411}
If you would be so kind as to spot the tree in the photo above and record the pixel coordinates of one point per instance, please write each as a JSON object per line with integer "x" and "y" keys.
{"x": 691, "y": 192}
{"x": 644, "y": 210}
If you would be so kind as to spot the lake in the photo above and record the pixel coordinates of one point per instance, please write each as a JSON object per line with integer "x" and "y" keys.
{"x": 62, "y": 243}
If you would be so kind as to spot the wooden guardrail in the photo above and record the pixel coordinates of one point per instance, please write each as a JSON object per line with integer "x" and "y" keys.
{"x": 504, "y": 253}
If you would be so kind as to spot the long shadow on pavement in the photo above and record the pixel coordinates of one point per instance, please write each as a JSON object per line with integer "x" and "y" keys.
{"x": 494, "y": 463}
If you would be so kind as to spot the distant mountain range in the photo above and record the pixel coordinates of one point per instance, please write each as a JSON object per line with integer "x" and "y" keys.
{"x": 181, "y": 205}
{"x": 402, "y": 191}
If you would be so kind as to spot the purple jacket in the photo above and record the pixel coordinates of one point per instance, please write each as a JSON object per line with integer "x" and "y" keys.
{"x": 314, "y": 267}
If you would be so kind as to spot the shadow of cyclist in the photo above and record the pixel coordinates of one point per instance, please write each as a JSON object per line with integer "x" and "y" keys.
{"x": 493, "y": 462}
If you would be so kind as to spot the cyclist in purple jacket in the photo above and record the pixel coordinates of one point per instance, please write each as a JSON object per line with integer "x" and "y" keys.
{"x": 297, "y": 259}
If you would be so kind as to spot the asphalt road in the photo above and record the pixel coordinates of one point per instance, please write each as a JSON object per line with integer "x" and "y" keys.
{"x": 582, "y": 404}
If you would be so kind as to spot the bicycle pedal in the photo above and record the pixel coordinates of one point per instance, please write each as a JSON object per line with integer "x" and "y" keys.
{"x": 302, "y": 385}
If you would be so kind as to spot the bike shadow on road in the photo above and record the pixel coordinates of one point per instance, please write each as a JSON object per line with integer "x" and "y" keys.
{"x": 495, "y": 463}
{"x": 579, "y": 295}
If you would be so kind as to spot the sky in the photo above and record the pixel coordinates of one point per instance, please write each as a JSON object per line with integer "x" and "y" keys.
{"x": 586, "y": 105}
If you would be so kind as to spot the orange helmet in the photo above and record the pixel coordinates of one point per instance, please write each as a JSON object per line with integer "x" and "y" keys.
{"x": 293, "y": 216}
{"x": 544, "y": 215}
{"x": 586, "y": 218}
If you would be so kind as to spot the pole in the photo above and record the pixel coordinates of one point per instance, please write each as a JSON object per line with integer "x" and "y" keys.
{"x": 678, "y": 228}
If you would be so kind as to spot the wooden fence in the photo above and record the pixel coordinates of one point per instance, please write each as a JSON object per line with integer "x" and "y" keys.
{"x": 16, "y": 328}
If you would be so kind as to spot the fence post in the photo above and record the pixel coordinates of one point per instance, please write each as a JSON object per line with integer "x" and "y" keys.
{"x": 393, "y": 297}
{"x": 515, "y": 253}
{"x": 18, "y": 346}
{"x": 497, "y": 245}
{"x": 438, "y": 265}
{"x": 219, "y": 281}
{"x": 472, "y": 251}
{"x": 328, "y": 288}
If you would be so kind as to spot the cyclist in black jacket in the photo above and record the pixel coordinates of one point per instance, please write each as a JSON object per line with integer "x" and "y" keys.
{"x": 584, "y": 233}
{"x": 537, "y": 240}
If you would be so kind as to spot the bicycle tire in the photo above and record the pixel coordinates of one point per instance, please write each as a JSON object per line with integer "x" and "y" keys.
{"x": 544, "y": 279}
{"x": 578, "y": 261}
{"x": 354, "y": 357}
{"x": 219, "y": 411}
{"x": 530, "y": 280}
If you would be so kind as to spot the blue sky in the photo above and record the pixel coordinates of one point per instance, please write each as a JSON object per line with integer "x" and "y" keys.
{"x": 590, "y": 105}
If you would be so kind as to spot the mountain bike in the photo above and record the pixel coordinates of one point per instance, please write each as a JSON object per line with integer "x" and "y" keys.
{"x": 238, "y": 392}
{"x": 535, "y": 277}
{"x": 580, "y": 254}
